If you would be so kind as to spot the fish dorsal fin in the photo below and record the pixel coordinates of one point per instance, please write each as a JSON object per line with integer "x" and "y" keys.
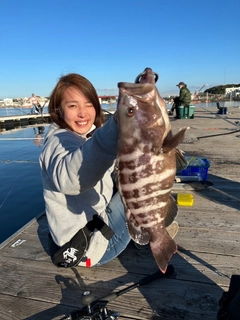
{"x": 181, "y": 162}
{"x": 172, "y": 210}
{"x": 172, "y": 142}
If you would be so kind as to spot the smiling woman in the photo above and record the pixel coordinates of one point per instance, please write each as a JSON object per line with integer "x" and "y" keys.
{"x": 86, "y": 217}
{"x": 68, "y": 102}
{"x": 78, "y": 112}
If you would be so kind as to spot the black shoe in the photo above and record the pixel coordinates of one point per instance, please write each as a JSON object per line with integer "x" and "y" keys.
{"x": 177, "y": 117}
{"x": 170, "y": 113}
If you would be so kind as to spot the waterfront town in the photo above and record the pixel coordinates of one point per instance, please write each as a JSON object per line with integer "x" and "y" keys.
{"x": 24, "y": 103}
{"x": 230, "y": 93}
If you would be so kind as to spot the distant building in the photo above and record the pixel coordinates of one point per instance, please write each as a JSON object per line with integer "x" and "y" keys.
{"x": 8, "y": 102}
{"x": 232, "y": 92}
{"x": 107, "y": 99}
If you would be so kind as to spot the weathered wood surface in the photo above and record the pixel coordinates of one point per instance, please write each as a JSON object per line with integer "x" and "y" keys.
{"x": 31, "y": 287}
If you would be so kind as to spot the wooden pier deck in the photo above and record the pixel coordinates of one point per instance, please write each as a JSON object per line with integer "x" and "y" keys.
{"x": 13, "y": 121}
{"x": 31, "y": 287}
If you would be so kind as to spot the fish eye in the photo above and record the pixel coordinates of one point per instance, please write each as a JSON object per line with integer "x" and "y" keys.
{"x": 130, "y": 111}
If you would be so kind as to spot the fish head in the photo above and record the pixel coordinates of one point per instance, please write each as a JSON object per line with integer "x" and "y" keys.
{"x": 148, "y": 76}
{"x": 141, "y": 117}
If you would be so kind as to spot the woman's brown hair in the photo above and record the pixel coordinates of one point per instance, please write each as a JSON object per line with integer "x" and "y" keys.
{"x": 86, "y": 88}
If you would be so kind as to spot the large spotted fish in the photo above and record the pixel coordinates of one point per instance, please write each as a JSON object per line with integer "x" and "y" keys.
{"x": 146, "y": 165}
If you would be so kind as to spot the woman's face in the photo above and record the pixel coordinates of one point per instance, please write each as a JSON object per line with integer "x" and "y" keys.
{"x": 78, "y": 111}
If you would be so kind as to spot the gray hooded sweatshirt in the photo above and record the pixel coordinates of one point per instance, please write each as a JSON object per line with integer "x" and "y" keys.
{"x": 77, "y": 183}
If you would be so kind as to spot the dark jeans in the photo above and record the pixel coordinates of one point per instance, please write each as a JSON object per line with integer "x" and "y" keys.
{"x": 175, "y": 106}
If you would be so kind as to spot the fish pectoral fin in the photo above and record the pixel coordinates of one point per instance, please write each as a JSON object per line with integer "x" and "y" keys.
{"x": 181, "y": 161}
{"x": 138, "y": 234}
{"x": 172, "y": 211}
{"x": 162, "y": 249}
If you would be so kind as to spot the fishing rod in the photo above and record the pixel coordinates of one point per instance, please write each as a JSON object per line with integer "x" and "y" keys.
{"x": 201, "y": 88}
{"x": 39, "y": 107}
{"x": 97, "y": 310}
{"x": 219, "y": 134}
{"x": 196, "y": 93}
{"x": 19, "y": 109}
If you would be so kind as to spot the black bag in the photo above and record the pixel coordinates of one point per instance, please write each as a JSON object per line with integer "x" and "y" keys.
{"x": 229, "y": 304}
{"x": 73, "y": 252}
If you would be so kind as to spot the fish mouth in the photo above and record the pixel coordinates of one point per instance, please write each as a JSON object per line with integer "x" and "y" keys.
{"x": 147, "y": 76}
{"x": 136, "y": 89}
{"x": 142, "y": 92}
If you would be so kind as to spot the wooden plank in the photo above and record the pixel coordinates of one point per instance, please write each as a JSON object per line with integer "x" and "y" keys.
{"x": 18, "y": 308}
{"x": 222, "y": 220}
{"x": 65, "y": 287}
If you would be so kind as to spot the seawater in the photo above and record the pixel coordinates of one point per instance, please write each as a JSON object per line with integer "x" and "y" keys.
{"x": 21, "y": 197}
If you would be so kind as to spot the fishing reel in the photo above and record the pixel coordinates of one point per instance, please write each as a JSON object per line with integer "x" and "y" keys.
{"x": 93, "y": 310}
{"x": 97, "y": 309}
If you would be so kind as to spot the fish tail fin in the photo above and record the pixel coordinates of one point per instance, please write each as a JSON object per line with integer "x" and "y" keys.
{"x": 163, "y": 250}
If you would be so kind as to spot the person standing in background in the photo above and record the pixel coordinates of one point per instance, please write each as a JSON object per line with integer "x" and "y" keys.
{"x": 35, "y": 102}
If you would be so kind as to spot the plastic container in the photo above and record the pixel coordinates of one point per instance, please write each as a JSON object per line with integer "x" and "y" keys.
{"x": 186, "y": 112}
{"x": 185, "y": 199}
{"x": 197, "y": 166}
{"x": 181, "y": 112}
{"x": 191, "y": 110}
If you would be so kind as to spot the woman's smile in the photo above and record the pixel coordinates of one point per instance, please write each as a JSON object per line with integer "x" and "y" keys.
{"x": 78, "y": 111}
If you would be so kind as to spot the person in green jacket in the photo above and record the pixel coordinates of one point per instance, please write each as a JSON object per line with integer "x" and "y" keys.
{"x": 184, "y": 99}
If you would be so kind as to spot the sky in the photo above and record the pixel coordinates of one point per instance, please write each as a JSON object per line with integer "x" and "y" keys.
{"x": 111, "y": 41}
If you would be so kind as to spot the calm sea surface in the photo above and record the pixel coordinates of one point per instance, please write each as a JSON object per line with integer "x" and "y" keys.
{"x": 21, "y": 187}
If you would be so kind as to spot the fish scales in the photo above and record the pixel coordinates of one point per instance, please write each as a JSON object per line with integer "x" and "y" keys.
{"x": 144, "y": 190}
{"x": 146, "y": 165}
